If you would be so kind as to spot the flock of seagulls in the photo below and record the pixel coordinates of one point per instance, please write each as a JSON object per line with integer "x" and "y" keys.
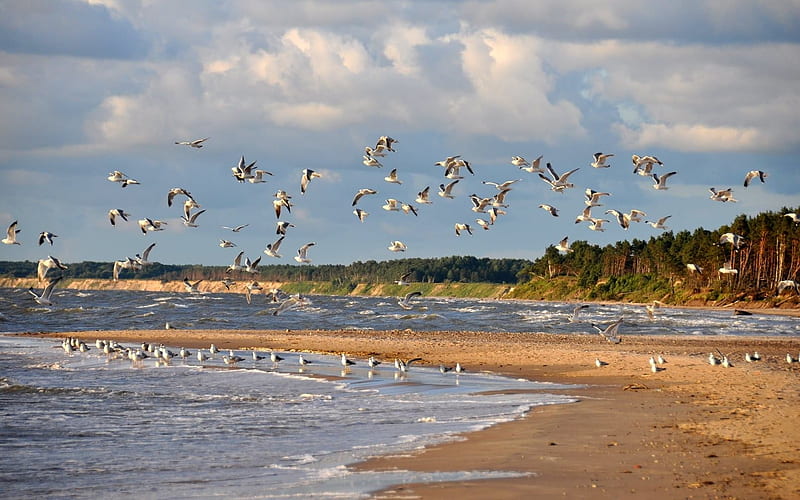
{"x": 488, "y": 208}
{"x": 163, "y": 356}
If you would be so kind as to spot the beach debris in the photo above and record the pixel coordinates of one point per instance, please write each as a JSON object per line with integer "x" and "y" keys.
{"x": 634, "y": 387}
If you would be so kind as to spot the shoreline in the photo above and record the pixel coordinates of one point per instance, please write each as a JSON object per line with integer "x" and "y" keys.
{"x": 789, "y": 305}
{"x": 692, "y": 430}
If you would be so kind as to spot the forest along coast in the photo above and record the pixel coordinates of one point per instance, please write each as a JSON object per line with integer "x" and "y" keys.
{"x": 752, "y": 263}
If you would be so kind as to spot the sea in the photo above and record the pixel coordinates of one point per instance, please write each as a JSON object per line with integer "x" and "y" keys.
{"x": 86, "y": 425}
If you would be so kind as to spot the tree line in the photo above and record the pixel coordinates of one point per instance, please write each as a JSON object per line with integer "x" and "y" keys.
{"x": 770, "y": 253}
{"x": 465, "y": 269}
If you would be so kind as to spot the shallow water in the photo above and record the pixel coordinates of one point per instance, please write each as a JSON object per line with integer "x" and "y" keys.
{"x": 81, "y": 425}
{"x": 110, "y": 310}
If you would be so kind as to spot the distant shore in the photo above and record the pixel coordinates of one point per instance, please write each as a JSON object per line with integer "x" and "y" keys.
{"x": 789, "y": 305}
{"x": 691, "y": 430}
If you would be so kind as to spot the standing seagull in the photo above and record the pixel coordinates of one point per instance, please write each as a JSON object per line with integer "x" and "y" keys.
{"x": 197, "y": 143}
{"x": 11, "y": 235}
{"x": 44, "y": 298}
{"x": 302, "y": 252}
{"x": 346, "y": 362}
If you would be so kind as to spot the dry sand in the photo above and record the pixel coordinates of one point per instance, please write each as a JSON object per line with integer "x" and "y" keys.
{"x": 690, "y": 431}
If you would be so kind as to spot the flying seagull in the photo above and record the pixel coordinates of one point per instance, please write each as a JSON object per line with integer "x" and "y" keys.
{"x": 752, "y": 175}
{"x": 272, "y": 248}
{"x": 610, "y": 332}
{"x": 191, "y": 287}
{"x": 191, "y": 220}
{"x": 282, "y": 226}
{"x": 600, "y": 160}
{"x": 46, "y": 264}
{"x": 197, "y": 143}
{"x": 11, "y": 235}
{"x": 361, "y": 214}
{"x": 142, "y": 260}
{"x": 422, "y": 196}
{"x": 659, "y": 224}
{"x": 446, "y": 191}
{"x": 397, "y": 246}
{"x": 661, "y": 181}
{"x": 306, "y": 177}
{"x": 405, "y": 302}
{"x": 551, "y": 209}
{"x": 302, "y": 252}
{"x": 534, "y": 167}
{"x": 563, "y": 245}
{"x": 45, "y": 297}
{"x": 148, "y": 224}
{"x": 117, "y": 212}
{"x": 119, "y": 265}
{"x": 361, "y": 193}
{"x": 392, "y": 177}
{"x": 558, "y": 183}
{"x": 46, "y": 236}
{"x": 175, "y": 192}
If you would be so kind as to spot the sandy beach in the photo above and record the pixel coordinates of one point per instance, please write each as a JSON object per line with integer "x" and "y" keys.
{"x": 691, "y": 430}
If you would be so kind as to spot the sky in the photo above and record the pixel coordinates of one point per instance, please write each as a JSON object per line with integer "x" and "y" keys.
{"x": 89, "y": 87}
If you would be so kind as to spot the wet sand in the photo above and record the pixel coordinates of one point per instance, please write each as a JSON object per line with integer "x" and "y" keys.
{"x": 691, "y": 430}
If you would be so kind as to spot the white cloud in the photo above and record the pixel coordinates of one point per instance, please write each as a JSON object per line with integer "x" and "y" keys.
{"x": 693, "y": 98}
{"x": 695, "y": 138}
